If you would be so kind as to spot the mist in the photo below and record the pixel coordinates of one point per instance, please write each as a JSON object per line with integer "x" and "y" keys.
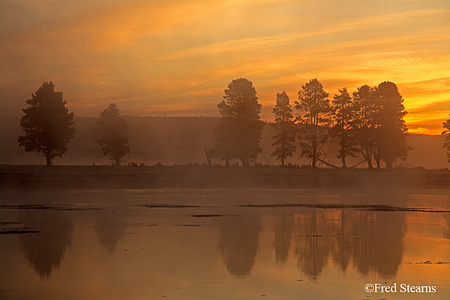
{"x": 183, "y": 141}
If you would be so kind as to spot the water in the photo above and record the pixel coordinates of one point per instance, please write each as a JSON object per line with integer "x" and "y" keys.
{"x": 224, "y": 244}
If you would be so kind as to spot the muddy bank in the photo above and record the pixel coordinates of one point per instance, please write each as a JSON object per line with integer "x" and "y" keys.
{"x": 217, "y": 177}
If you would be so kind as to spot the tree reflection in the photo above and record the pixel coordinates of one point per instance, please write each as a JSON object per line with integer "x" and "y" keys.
{"x": 342, "y": 253}
{"x": 380, "y": 247}
{"x": 110, "y": 226}
{"x": 313, "y": 245}
{"x": 370, "y": 241}
{"x": 284, "y": 225}
{"x": 239, "y": 243}
{"x": 45, "y": 250}
{"x": 447, "y": 220}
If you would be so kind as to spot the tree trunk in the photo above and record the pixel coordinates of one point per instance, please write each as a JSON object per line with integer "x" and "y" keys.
{"x": 369, "y": 160}
{"x": 389, "y": 162}
{"x": 344, "y": 165}
{"x": 367, "y": 156}
{"x": 378, "y": 163}
{"x": 48, "y": 159}
{"x": 314, "y": 155}
{"x": 117, "y": 162}
{"x": 208, "y": 160}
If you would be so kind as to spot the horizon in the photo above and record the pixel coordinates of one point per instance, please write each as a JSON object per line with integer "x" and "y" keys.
{"x": 157, "y": 58}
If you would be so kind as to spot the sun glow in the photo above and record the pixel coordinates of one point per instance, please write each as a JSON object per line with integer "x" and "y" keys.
{"x": 183, "y": 54}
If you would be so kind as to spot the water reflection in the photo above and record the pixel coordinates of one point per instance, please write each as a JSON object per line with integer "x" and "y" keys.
{"x": 284, "y": 226}
{"x": 45, "y": 250}
{"x": 332, "y": 240}
{"x": 381, "y": 249}
{"x": 447, "y": 220}
{"x": 110, "y": 226}
{"x": 372, "y": 241}
{"x": 239, "y": 243}
{"x": 313, "y": 244}
{"x": 344, "y": 237}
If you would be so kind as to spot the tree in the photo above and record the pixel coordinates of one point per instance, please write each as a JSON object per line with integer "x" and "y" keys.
{"x": 113, "y": 131}
{"x": 446, "y": 131}
{"x": 47, "y": 123}
{"x": 240, "y": 128}
{"x": 392, "y": 131}
{"x": 314, "y": 109}
{"x": 284, "y": 124}
{"x": 224, "y": 142}
{"x": 343, "y": 111}
{"x": 365, "y": 108}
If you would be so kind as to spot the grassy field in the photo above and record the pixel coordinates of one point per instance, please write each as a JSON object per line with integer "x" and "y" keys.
{"x": 18, "y": 177}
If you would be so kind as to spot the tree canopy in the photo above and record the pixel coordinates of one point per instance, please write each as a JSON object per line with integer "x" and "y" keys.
{"x": 113, "y": 131}
{"x": 314, "y": 110}
{"x": 365, "y": 124}
{"x": 47, "y": 123}
{"x": 343, "y": 116}
{"x": 240, "y": 128}
{"x": 285, "y": 127}
{"x": 380, "y": 127}
{"x": 392, "y": 129}
{"x": 446, "y": 132}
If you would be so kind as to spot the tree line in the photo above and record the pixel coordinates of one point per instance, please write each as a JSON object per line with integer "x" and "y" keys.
{"x": 48, "y": 127}
{"x": 367, "y": 123}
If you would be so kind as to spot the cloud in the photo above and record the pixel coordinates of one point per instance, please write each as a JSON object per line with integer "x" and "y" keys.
{"x": 441, "y": 107}
{"x": 184, "y": 53}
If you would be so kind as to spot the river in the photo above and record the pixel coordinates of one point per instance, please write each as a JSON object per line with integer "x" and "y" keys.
{"x": 224, "y": 244}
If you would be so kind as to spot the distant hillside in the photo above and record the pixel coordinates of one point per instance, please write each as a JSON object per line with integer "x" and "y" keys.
{"x": 183, "y": 140}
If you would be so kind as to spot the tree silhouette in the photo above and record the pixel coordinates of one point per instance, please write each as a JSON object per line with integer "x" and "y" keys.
{"x": 381, "y": 130}
{"x": 344, "y": 124}
{"x": 45, "y": 251}
{"x": 240, "y": 128}
{"x": 224, "y": 143}
{"x": 113, "y": 131}
{"x": 47, "y": 123}
{"x": 314, "y": 109}
{"x": 447, "y": 138}
{"x": 312, "y": 250}
{"x": 239, "y": 243}
{"x": 392, "y": 131}
{"x": 365, "y": 111}
{"x": 284, "y": 124}
{"x": 110, "y": 226}
{"x": 283, "y": 233}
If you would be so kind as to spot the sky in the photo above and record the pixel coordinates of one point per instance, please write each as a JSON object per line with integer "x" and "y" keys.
{"x": 175, "y": 58}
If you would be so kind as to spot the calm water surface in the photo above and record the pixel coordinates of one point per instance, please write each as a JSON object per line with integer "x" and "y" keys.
{"x": 224, "y": 244}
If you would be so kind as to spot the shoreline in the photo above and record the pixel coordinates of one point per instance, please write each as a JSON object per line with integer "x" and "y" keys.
{"x": 205, "y": 177}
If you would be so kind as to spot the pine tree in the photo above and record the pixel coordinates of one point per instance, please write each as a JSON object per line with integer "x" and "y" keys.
{"x": 344, "y": 124}
{"x": 284, "y": 124}
{"x": 240, "y": 128}
{"x": 47, "y": 123}
{"x": 446, "y": 132}
{"x": 113, "y": 131}
{"x": 365, "y": 112}
{"x": 392, "y": 131}
{"x": 314, "y": 119}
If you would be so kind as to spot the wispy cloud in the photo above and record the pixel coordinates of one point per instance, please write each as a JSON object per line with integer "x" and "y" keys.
{"x": 184, "y": 53}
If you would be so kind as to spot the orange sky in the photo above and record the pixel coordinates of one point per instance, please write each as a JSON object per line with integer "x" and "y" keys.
{"x": 176, "y": 57}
